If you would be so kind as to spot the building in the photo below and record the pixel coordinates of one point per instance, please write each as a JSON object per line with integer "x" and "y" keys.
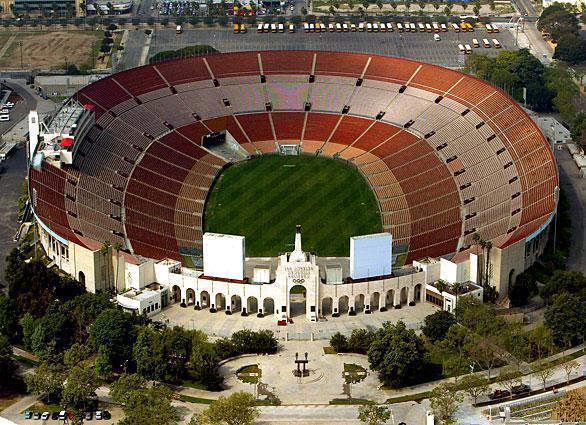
{"x": 447, "y": 155}
{"x": 61, "y": 8}
{"x": 63, "y": 85}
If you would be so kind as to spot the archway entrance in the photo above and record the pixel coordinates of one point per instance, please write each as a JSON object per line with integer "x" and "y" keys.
{"x": 176, "y": 293}
{"x": 297, "y": 301}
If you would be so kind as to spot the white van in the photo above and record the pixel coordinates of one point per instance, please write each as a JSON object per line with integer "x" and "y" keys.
{"x": 306, "y": 27}
{"x": 331, "y": 27}
{"x": 178, "y": 29}
{"x": 461, "y": 48}
{"x": 368, "y": 27}
{"x": 375, "y": 27}
{"x": 468, "y": 49}
{"x": 338, "y": 27}
{"x": 4, "y": 117}
{"x": 435, "y": 27}
{"x": 259, "y": 28}
{"x": 412, "y": 26}
{"x": 361, "y": 27}
{"x": 443, "y": 27}
{"x": 455, "y": 27}
{"x": 345, "y": 27}
{"x": 399, "y": 27}
{"x": 436, "y": 37}
{"x": 486, "y": 43}
{"x": 267, "y": 28}
{"x": 421, "y": 27}
{"x": 475, "y": 43}
{"x": 389, "y": 27}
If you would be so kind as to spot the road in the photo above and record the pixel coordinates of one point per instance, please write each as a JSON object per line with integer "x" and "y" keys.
{"x": 575, "y": 190}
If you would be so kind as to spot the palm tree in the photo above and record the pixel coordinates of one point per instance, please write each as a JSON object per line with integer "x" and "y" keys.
{"x": 379, "y": 3}
{"x": 421, "y": 5}
{"x": 365, "y": 5}
{"x": 407, "y": 5}
{"x": 394, "y": 5}
{"x": 350, "y": 5}
{"x": 441, "y": 285}
{"x": 457, "y": 288}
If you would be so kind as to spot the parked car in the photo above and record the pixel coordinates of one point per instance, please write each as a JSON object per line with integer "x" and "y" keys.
{"x": 37, "y": 416}
{"x": 4, "y": 117}
{"x": 45, "y": 416}
{"x": 99, "y": 415}
{"x": 62, "y": 415}
{"x": 55, "y": 416}
{"x": 89, "y": 416}
{"x": 28, "y": 414}
{"x": 499, "y": 394}
{"x": 107, "y": 415}
{"x": 521, "y": 389}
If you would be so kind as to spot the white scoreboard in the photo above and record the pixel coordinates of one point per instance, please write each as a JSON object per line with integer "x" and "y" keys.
{"x": 371, "y": 255}
{"x": 223, "y": 256}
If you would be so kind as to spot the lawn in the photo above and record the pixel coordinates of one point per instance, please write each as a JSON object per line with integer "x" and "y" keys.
{"x": 264, "y": 198}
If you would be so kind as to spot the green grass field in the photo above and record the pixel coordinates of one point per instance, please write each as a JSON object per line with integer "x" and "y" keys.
{"x": 263, "y": 199}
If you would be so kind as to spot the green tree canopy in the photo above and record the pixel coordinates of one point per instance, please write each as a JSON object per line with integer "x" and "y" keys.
{"x": 522, "y": 289}
{"x": 80, "y": 388}
{"x": 47, "y": 380}
{"x": 396, "y": 353}
{"x": 437, "y": 325}
{"x": 566, "y": 317}
{"x": 122, "y": 389}
{"x": 8, "y": 317}
{"x": 564, "y": 282}
{"x": 372, "y": 414}
{"x": 237, "y": 409}
{"x": 570, "y": 48}
{"x": 7, "y": 365}
{"x": 444, "y": 401}
{"x": 557, "y": 20}
{"x": 114, "y": 329}
{"x": 149, "y": 407}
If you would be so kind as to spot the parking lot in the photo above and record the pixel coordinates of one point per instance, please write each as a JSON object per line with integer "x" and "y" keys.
{"x": 417, "y": 46}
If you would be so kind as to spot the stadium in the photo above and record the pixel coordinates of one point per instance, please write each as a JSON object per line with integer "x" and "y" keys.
{"x": 392, "y": 167}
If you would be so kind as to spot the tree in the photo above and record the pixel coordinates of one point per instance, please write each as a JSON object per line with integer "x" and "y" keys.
{"x": 444, "y": 401}
{"x": 564, "y": 282}
{"x": 522, "y": 289}
{"x": 76, "y": 355}
{"x": 541, "y": 341}
{"x": 27, "y": 323}
{"x": 475, "y": 386}
{"x": 80, "y": 388}
{"x": 396, "y": 353}
{"x": 437, "y": 325}
{"x": 46, "y": 379}
{"x": 51, "y": 335}
{"x": 407, "y": 5}
{"x": 7, "y": 365}
{"x": 114, "y": 329}
{"x": 483, "y": 351}
{"x": 508, "y": 378}
{"x": 360, "y": 340}
{"x": 8, "y": 317}
{"x": 569, "y": 368}
{"x": 147, "y": 353}
{"x": 379, "y": 4}
{"x": 237, "y": 409}
{"x": 122, "y": 389}
{"x": 149, "y": 406}
{"x": 579, "y": 129}
{"x": 543, "y": 370}
{"x": 372, "y": 414}
{"x": 455, "y": 342}
{"x": 365, "y": 5}
{"x": 339, "y": 342}
{"x": 566, "y": 317}
{"x": 103, "y": 363}
{"x": 204, "y": 360}
{"x": 557, "y": 20}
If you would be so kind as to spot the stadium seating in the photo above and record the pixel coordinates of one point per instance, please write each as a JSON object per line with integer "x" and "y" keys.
{"x": 426, "y": 138}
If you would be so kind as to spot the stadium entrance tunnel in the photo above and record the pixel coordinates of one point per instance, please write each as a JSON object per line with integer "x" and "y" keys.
{"x": 297, "y": 301}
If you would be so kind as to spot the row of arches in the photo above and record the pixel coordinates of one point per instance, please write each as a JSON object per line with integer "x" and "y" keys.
{"x": 329, "y": 306}
{"x": 369, "y": 303}
{"x": 218, "y": 302}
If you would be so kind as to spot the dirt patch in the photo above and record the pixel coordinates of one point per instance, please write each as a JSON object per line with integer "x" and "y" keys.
{"x": 50, "y": 50}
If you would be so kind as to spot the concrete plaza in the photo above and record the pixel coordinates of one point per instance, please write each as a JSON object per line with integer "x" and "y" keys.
{"x": 221, "y": 325}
